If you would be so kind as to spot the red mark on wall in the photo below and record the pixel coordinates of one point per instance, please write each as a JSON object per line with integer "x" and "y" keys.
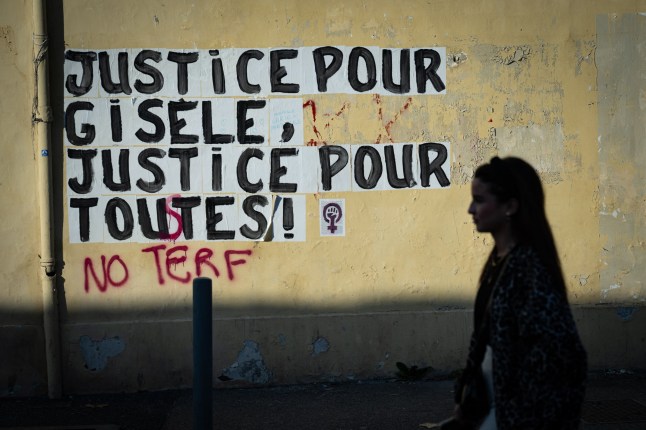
{"x": 329, "y": 118}
{"x": 178, "y": 218}
{"x": 175, "y": 263}
{"x": 389, "y": 124}
{"x": 385, "y": 135}
{"x": 312, "y": 105}
{"x": 111, "y": 276}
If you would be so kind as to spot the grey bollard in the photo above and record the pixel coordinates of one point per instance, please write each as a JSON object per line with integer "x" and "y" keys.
{"x": 202, "y": 355}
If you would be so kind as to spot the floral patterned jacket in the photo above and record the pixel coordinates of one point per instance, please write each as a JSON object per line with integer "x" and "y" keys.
{"x": 539, "y": 363}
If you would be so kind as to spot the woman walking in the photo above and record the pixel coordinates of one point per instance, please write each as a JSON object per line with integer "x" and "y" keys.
{"x": 525, "y": 343}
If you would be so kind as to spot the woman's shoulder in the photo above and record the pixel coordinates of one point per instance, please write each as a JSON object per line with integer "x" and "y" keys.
{"x": 524, "y": 255}
{"x": 533, "y": 276}
{"x": 524, "y": 262}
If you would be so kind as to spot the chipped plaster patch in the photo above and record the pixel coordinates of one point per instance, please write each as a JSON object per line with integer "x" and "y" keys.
{"x": 281, "y": 340}
{"x": 456, "y": 59}
{"x": 382, "y": 364}
{"x": 541, "y": 145}
{"x": 626, "y": 313}
{"x": 510, "y": 54}
{"x": 249, "y": 366}
{"x": 605, "y": 291}
{"x": 320, "y": 346}
{"x": 616, "y": 213}
{"x": 97, "y": 353}
{"x": 585, "y": 51}
{"x": 338, "y": 22}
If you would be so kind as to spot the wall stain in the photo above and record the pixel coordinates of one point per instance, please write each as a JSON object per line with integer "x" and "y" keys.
{"x": 7, "y": 35}
{"x": 97, "y": 353}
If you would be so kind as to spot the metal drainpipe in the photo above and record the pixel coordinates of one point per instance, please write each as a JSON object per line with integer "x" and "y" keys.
{"x": 41, "y": 120}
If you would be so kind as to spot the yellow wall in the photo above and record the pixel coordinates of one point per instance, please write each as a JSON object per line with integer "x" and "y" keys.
{"x": 527, "y": 79}
{"x": 21, "y": 300}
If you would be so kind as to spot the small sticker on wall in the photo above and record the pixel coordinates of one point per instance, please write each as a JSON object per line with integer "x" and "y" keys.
{"x": 332, "y": 217}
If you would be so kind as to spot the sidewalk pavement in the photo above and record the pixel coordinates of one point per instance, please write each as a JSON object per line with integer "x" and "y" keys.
{"x": 614, "y": 400}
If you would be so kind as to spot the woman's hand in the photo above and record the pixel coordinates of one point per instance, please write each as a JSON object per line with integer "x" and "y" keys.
{"x": 454, "y": 423}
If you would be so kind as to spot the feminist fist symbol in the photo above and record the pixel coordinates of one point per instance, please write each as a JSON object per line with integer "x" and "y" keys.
{"x": 332, "y": 214}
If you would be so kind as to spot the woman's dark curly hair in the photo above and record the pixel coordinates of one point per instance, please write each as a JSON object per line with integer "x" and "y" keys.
{"x": 513, "y": 178}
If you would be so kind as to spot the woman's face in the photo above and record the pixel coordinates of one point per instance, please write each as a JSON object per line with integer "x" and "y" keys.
{"x": 489, "y": 215}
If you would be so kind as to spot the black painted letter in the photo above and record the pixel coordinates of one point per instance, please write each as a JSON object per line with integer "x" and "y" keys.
{"x": 241, "y": 170}
{"x": 277, "y": 72}
{"x": 391, "y": 167}
{"x": 329, "y": 170}
{"x": 160, "y": 180}
{"x": 241, "y": 71}
{"x": 404, "y": 71}
{"x": 207, "y": 127}
{"x": 84, "y": 206}
{"x": 217, "y": 73}
{"x": 86, "y": 156}
{"x": 115, "y": 121}
{"x": 111, "y": 218}
{"x": 177, "y": 124}
{"x": 146, "y": 223}
{"x": 353, "y": 69}
{"x": 146, "y": 115}
{"x": 248, "y": 206}
{"x": 70, "y": 124}
{"x": 184, "y": 155}
{"x": 106, "y": 77}
{"x": 182, "y": 59}
{"x": 428, "y": 168}
{"x": 213, "y": 218}
{"x": 86, "y": 59}
{"x": 124, "y": 170}
{"x": 244, "y": 124}
{"x": 323, "y": 72}
{"x": 216, "y": 170}
{"x": 186, "y": 204}
{"x": 428, "y": 73}
{"x": 375, "y": 172}
{"x": 277, "y": 170}
{"x": 158, "y": 78}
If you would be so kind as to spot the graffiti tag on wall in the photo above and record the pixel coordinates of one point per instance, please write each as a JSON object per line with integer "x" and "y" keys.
{"x": 176, "y": 263}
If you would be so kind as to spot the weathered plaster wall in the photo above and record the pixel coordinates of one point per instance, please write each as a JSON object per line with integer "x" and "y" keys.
{"x": 622, "y": 134}
{"x": 22, "y": 349}
{"x": 557, "y": 83}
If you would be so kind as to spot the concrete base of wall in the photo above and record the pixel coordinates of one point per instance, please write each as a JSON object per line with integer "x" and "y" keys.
{"x": 154, "y": 355}
{"x": 23, "y": 369}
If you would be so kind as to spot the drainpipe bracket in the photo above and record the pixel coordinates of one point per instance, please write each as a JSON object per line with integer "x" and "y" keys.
{"x": 49, "y": 264}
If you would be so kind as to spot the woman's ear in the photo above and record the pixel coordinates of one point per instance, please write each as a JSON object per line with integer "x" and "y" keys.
{"x": 512, "y": 207}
